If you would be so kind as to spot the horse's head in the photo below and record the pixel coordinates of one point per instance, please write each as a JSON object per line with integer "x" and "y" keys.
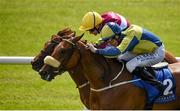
{"x": 49, "y": 46}
{"x": 65, "y": 57}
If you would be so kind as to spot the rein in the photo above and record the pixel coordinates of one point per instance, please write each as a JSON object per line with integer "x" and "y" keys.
{"x": 114, "y": 85}
{"x": 83, "y": 85}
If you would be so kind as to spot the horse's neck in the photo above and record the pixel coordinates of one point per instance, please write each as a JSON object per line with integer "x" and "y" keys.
{"x": 100, "y": 72}
{"x": 81, "y": 83}
{"x": 78, "y": 76}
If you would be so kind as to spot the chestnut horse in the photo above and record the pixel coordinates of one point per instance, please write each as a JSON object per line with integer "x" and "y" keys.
{"x": 73, "y": 54}
{"x": 77, "y": 76}
{"x": 81, "y": 81}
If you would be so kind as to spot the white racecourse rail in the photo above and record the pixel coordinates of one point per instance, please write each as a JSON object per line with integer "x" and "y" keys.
{"x": 15, "y": 60}
{"x": 22, "y": 59}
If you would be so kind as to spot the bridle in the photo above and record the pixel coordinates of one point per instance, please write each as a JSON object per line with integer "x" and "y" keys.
{"x": 65, "y": 60}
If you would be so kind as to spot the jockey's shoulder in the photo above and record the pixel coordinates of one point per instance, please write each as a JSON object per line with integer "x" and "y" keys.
{"x": 133, "y": 30}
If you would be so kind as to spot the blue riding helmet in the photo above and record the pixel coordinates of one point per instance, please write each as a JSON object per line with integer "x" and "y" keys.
{"x": 115, "y": 27}
{"x": 110, "y": 30}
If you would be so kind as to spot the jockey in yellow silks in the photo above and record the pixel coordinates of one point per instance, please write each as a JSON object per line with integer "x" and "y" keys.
{"x": 93, "y": 22}
{"x": 139, "y": 48}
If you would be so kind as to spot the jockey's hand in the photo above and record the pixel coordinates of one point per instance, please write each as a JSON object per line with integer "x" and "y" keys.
{"x": 91, "y": 47}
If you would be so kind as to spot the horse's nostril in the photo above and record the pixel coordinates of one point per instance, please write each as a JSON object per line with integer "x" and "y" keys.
{"x": 36, "y": 65}
{"x": 41, "y": 72}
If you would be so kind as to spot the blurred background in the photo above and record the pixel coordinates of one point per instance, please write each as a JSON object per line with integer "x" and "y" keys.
{"x": 25, "y": 25}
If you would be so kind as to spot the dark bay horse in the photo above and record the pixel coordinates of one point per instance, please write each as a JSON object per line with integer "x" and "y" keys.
{"x": 101, "y": 72}
{"x": 49, "y": 46}
{"x": 81, "y": 82}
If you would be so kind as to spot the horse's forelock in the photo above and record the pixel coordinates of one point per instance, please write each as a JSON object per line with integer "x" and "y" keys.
{"x": 54, "y": 37}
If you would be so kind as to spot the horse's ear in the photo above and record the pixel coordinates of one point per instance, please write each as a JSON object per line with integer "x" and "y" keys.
{"x": 54, "y": 36}
{"x": 75, "y": 39}
{"x": 82, "y": 35}
{"x": 74, "y": 33}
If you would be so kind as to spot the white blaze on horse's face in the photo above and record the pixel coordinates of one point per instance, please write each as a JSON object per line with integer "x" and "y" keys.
{"x": 51, "y": 61}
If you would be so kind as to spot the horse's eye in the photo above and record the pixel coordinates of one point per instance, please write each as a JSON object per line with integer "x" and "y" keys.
{"x": 62, "y": 52}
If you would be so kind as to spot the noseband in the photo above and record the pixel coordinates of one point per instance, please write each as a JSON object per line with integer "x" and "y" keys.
{"x": 62, "y": 65}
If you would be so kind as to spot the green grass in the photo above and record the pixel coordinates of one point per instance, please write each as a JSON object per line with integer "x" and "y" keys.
{"x": 26, "y": 24}
{"x": 22, "y": 88}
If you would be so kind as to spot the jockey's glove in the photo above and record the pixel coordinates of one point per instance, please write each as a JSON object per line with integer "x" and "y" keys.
{"x": 92, "y": 48}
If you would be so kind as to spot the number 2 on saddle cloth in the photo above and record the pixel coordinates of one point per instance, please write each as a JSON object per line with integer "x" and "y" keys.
{"x": 164, "y": 75}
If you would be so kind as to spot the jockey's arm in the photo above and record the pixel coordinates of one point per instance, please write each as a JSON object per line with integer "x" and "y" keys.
{"x": 100, "y": 44}
{"x": 109, "y": 51}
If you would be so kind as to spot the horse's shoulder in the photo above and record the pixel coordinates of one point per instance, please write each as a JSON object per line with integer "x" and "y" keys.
{"x": 113, "y": 60}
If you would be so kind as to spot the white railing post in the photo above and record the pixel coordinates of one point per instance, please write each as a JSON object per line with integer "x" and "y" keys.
{"x": 178, "y": 58}
{"x": 23, "y": 59}
{"x": 15, "y": 60}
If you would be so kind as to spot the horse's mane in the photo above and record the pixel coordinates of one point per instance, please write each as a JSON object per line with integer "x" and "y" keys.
{"x": 106, "y": 63}
{"x": 84, "y": 42}
{"x": 65, "y": 31}
{"x": 62, "y": 34}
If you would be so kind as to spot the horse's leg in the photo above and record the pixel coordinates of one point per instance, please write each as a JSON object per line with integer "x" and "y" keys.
{"x": 84, "y": 95}
{"x": 94, "y": 101}
{"x": 170, "y": 58}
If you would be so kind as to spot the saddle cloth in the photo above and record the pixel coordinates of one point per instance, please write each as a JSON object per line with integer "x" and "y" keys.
{"x": 165, "y": 76}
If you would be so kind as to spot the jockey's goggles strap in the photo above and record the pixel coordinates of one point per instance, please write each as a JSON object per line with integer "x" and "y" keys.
{"x": 51, "y": 61}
